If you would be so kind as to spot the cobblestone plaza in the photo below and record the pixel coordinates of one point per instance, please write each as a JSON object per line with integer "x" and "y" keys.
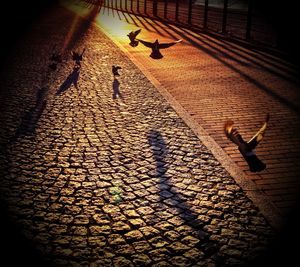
{"x": 98, "y": 170}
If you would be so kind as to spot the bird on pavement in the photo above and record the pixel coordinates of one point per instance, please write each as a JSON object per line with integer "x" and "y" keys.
{"x": 156, "y": 46}
{"x": 115, "y": 70}
{"x": 247, "y": 148}
{"x": 132, "y": 37}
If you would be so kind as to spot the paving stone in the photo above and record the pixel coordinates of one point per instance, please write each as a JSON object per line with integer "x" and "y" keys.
{"x": 134, "y": 235}
{"x": 230, "y": 251}
{"x": 121, "y": 261}
{"x": 149, "y": 231}
{"x": 194, "y": 254}
{"x": 116, "y": 239}
{"x": 158, "y": 242}
{"x": 159, "y": 254}
{"x": 141, "y": 260}
{"x": 161, "y": 264}
{"x": 98, "y": 230}
{"x": 120, "y": 227}
{"x": 125, "y": 249}
{"x": 180, "y": 261}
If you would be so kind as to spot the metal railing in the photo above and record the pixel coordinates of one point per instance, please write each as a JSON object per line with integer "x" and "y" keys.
{"x": 238, "y": 19}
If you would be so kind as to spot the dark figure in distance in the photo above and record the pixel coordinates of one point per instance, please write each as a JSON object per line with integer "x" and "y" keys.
{"x": 156, "y": 46}
{"x": 116, "y": 89}
{"x": 115, "y": 70}
{"x": 132, "y": 37}
{"x": 247, "y": 148}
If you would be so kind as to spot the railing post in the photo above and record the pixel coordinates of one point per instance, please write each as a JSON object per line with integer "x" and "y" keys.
{"x": 176, "y": 10}
{"x": 190, "y": 12}
{"x": 131, "y": 5}
{"x": 249, "y": 20}
{"x": 205, "y": 14}
{"x": 154, "y": 8}
{"x": 138, "y": 6}
{"x": 224, "y": 16}
{"x": 165, "y": 9}
{"x": 145, "y": 6}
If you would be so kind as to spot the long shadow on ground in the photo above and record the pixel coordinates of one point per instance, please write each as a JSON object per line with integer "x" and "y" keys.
{"x": 176, "y": 200}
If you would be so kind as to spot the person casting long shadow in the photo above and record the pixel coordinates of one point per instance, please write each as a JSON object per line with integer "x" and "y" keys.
{"x": 177, "y": 200}
{"x": 71, "y": 79}
{"x": 116, "y": 89}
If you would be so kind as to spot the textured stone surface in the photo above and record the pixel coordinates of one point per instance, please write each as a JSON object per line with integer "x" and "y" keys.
{"x": 113, "y": 182}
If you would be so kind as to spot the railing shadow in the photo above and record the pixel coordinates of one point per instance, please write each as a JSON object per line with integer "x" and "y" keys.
{"x": 142, "y": 24}
{"x": 222, "y": 39}
{"x": 250, "y": 57}
{"x": 246, "y": 76}
{"x": 247, "y": 62}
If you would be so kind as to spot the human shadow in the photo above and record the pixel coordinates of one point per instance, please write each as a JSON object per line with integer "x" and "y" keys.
{"x": 30, "y": 119}
{"x": 71, "y": 79}
{"x": 116, "y": 89}
{"x": 173, "y": 199}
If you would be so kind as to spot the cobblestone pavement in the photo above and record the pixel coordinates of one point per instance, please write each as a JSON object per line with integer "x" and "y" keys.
{"x": 214, "y": 80}
{"x": 96, "y": 180}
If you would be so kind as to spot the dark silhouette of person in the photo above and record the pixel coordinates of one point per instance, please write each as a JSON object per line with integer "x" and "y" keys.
{"x": 116, "y": 89}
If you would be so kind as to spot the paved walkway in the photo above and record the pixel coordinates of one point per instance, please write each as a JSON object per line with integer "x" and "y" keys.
{"x": 213, "y": 80}
{"x": 103, "y": 172}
